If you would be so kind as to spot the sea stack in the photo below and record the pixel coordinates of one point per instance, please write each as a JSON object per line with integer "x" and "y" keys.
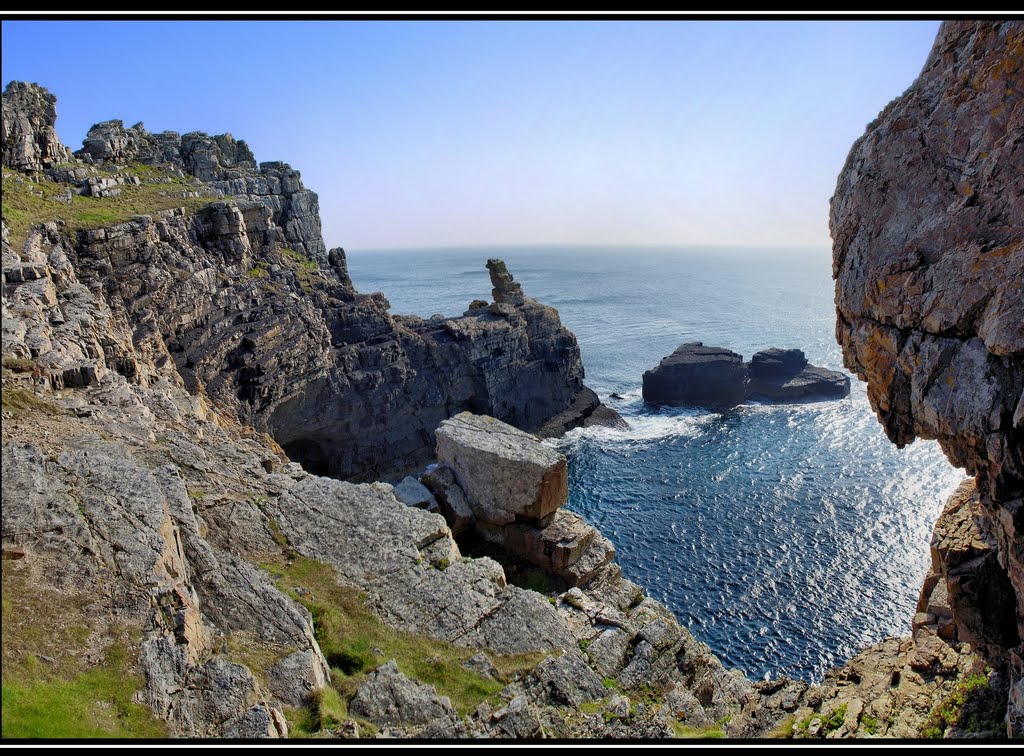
{"x": 698, "y": 376}
{"x": 784, "y": 375}
{"x": 716, "y": 378}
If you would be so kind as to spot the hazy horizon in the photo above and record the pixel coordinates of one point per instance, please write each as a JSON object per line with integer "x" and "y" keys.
{"x": 434, "y": 134}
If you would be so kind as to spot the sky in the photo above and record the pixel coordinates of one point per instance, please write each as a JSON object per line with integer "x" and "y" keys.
{"x": 463, "y": 133}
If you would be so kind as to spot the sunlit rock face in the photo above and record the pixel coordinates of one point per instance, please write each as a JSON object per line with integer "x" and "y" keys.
{"x": 928, "y": 229}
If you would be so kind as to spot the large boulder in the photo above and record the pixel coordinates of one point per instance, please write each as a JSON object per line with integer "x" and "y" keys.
{"x": 505, "y": 473}
{"x": 784, "y": 375}
{"x": 697, "y": 376}
{"x": 390, "y": 698}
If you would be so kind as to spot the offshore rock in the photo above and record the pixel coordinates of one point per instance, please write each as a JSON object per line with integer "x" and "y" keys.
{"x": 30, "y": 142}
{"x": 695, "y": 375}
{"x": 784, "y": 375}
{"x": 928, "y": 258}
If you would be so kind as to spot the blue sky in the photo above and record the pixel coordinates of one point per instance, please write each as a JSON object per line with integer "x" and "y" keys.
{"x": 506, "y": 132}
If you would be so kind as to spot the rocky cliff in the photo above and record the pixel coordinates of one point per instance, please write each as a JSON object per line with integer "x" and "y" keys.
{"x": 168, "y": 570}
{"x": 240, "y": 300}
{"x": 928, "y": 229}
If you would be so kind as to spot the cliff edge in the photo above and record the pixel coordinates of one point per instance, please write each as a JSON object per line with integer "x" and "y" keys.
{"x": 928, "y": 229}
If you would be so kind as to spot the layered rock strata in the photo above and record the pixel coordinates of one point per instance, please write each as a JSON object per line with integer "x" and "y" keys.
{"x": 784, "y": 375}
{"x": 928, "y": 229}
{"x": 254, "y": 312}
{"x": 135, "y": 494}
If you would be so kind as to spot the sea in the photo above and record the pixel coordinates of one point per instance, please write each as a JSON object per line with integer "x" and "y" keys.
{"x": 785, "y": 536}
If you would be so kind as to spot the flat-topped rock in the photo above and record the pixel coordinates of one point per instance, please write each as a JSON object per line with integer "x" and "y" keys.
{"x": 784, "y": 375}
{"x": 505, "y": 473}
{"x": 696, "y": 375}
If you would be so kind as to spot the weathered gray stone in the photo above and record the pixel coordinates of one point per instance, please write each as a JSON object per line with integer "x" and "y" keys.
{"x": 30, "y": 142}
{"x": 928, "y": 258}
{"x": 388, "y": 698}
{"x": 504, "y": 472}
{"x": 412, "y": 493}
{"x": 565, "y": 681}
{"x": 516, "y": 720}
{"x": 482, "y": 665}
{"x": 293, "y": 679}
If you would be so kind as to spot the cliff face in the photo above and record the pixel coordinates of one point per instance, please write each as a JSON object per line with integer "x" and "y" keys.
{"x": 928, "y": 229}
{"x": 152, "y": 534}
{"x": 241, "y": 300}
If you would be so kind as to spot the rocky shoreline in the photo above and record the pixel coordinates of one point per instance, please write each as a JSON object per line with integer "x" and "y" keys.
{"x": 167, "y": 369}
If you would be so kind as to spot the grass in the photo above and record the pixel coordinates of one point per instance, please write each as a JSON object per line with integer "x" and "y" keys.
{"x": 259, "y": 270}
{"x": 971, "y": 706}
{"x": 712, "y": 732}
{"x": 23, "y": 402}
{"x": 303, "y": 266}
{"x": 869, "y": 724}
{"x": 96, "y": 703}
{"x": 834, "y": 720}
{"x": 253, "y": 652}
{"x": 27, "y": 203}
{"x": 355, "y": 641}
{"x": 63, "y": 678}
{"x": 18, "y": 364}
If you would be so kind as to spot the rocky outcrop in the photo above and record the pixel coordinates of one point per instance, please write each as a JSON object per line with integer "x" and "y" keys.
{"x": 928, "y": 259}
{"x": 253, "y": 311}
{"x": 784, "y": 375}
{"x": 698, "y": 376}
{"x": 701, "y": 376}
{"x": 30, "y": 142}
{"x": 514, "y": 487}
{"x": 143, "y": 362}
{"x": 504, "y": 472}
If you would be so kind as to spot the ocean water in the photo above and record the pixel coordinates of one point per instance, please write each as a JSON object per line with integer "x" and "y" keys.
{"x": 785, "y": 536}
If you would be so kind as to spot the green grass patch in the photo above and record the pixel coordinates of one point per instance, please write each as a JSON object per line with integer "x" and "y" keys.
{"x": 23, "y": 402}
{"x": 834, "y": 720}
{"x": 53, "y": 686}
{"x": 96, "y": 703}
{"x": 255, "y": 653}
{"x": 28, "y": 203}
{"x": 19, "y": 364}
{"x": 869, "y": 724}
{"x": 712, "y": 732}
{"x": 259, "y": 270}
{"x": 972, "y": 706}
{"x": 351, "y": 635}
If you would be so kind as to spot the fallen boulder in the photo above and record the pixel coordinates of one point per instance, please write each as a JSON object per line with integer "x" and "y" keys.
{"x": 506, "y": 473}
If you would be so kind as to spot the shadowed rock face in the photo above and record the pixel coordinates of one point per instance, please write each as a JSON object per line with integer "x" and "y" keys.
{"x": 784, "y": 375}
{"x": 697, "y": 375}
{"x": 928, "y": 229}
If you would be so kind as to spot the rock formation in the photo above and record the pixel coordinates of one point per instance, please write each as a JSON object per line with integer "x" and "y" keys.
{"x": 243, "y": 298}
{"x": 701, "y": 376}
{"x": 152, "y": 532}
{"x": 30, "y": 142}
{"x": 928, "y": 229}
{"x": 514, "y": 488}
{"x": 784, "y": 375}
{"x": 698, "y": 376}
